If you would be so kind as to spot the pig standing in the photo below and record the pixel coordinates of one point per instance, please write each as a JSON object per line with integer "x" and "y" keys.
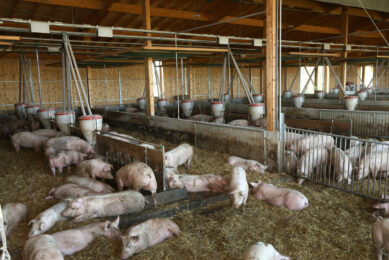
{"x": 88, "y": 183}
{"x": 13, "y": 213}
{"x": 65, "y": 159}
{"x": 69, "y": 190}
{"x": 342, "y": 165}
{"x": 314, "y": 158}
{"x": 373, "y": 163}
{"x": 74, "y": 240}
{"x": 239, "y": 122}
{"x": 43, "y": 247}
{"x": 180, "y": 155}
{"x": 197, "y": 183}
{"x": 381, "y": 236}
{"x": 262, "y": 251}
{"x": 354, "y": 153}
{"x": 247, "y": 165}
{"x": 47, "y": 219}
{"x": 280, "y": 197}
{"x": 291, "y": 162}
{"x": 311, "y": 142}
{"x": 238, "y": 187}
{"x": 94, "y": 168}
{"x": 137, "y": 176}
{"x": 291, "y": 138}
{"x": 9, "y": 128}
{"x": 28, "y": 140}
{"x": 68, "y": 143}
{"x": 147, "y": 234}
{"x": 50, "y": 133}
{"x": 115, "y": 204}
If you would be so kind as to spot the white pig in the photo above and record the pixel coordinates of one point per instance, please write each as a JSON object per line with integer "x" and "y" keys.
{"x": 137, "y": 176}
{"x": 108, "y": 205}
{"x": 313, "y": 158}
{"x": 262, "y": 251}
{"x": 50, "y": 133}
{"x": 291, "y": 138}
{"x": 69, "y": 190}
{"x": 90, "y": 184}
{"x": 310, "y": 142}
{"x": 382, "y": 209}
{"x": 239, "y": 122}
{"x": 67, "y": 143}
{"x": 197, "y": 183}
{"x": 342, "y": 165}
{"x": 28, "y": 140}
{"x": 94, "y": 168}
{"x": 47, "y": 219}
{"x": 291, "y": 162}
{"x": 355, "y": 153}
{"x": 238, "y": 187}
{"x": 65, "y": 159}
{"x": 373, "y": 163}
{"x": 180, "y": 155}
{"x": 247, "y": 165}
{"x": 13, "y": 213}
{"x": 74, "y": 240}
{"x": 280, "y": 197}
{"x": 147, "y": 234}
{"x": 43, "y": 247}
{"x": 381, "y": 236}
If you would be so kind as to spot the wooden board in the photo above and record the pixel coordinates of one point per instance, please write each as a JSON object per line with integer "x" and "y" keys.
{"x": 121, "y": 152}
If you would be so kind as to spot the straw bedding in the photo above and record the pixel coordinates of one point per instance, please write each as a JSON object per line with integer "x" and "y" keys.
{"x": 336, "y": 225}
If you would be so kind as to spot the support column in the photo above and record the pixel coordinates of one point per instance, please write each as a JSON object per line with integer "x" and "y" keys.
{"x": 363, "y": 74}
{"x": 317, "y": 77}
{"x": 271, "y": 64}
{"x": 326, "y": 83}
{"x": 88, "y": 86}
{"x": 358, "y": 69}
{"x": 344, "y": 30}
{"x": 148, "y": 61}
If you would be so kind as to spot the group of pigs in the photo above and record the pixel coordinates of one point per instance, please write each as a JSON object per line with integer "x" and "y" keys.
{"x": 11, "y": 124}
{"x": 306, "y": 154}
{"x": 220, "y": 120}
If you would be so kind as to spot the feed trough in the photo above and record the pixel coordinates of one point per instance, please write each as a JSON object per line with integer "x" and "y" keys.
{"x": 187, "y": 107}
{"x": 89, "y": 125}
{"x": 217, "y": 108}
{"x": 31, "y": 110}
{"x": 44, "y": 117}
{"x": 20, "y": 110}
{"x": 298, "y": 101}
{"x": 141, "y": 103}
{"x": 256, "y": 111}
{"x": 162, "y": 104}
{"x": 63, "y": 119}
{"x": 258, "y": 98}
{"x": 362, "y": 94}
{"x": 351, "y": 102}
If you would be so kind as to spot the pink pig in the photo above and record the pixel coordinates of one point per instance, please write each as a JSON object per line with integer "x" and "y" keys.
{"x": 197, "y": 183}
{"x": 90, "y": 184}
{"x": 13, "y": 213}
{"x": 180, "y": 155}
{"x": 28, "y": 140}
{"x": 42, "y": 247}
{"x": 290, "y": 199}
{"x": 65, "y": 159}
{"x": 238, "y": 187}
{"x": 95, "y": 168}
{"x": 262, "y": 251}
{"x": 381, "y": 236}
{"x": 137, "y": 176}
{"x": 69, "y": 190}
{"x": 50, "y": 133}
{"x": 147, "y": 234}
{"x": 247, "y": 165}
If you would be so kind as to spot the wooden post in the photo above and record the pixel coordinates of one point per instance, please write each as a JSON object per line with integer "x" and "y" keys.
{"x": 148, "y": 61}
{"x": 344, "y": 30}
{"x": 358, "y": 69}
{"x": 271, "y": 64}
{"x": 363, "y": 74}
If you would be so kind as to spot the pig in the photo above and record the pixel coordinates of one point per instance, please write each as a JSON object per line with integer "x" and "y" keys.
{"x": 65, "y": 159}
{"x": 381, "y": 236}
{"x": 9, "y": 128}
{"x": 238, "y": 187}
{"x": 290, "y": 162}
{"x": 91, "y": 184}
{"x": 67, "y": 143}
{"x": 13, "y": 213}
{"x": 280, "y": 197}
{"x": 28, "y": 140}
{"x": 35, "y": 124}
{"x": 94, "y": 168}
{"x": 239, "y": 122}
{"x": 310, "y": 142}
{"x": 50, "y": 133}
{"x": 382, "y": 209}
{"x": 147, "y": 234}
{"x": 73, "y": 240}
{"x": 180, "y": 155}
{"x": 291, "y": 138}
{"x": 247, "y": 165}
{"x": 107, "y": 205}
{"x": 341, "y": 164}
{"x": 69, "y": 190}
{"x": 259, "y": 122}
{"x": 219, "y": 120}
{"x": 105, "y": 128}
{"x": 262, "y": 251}
{"x": 355, "y": 153}
{"x": 201, "y": 118}
{"x": 47, "y": 219}
{"x": 354, "y": 142}
{"x": 131, "y": 109}
{"x": 197, "y": 183}
{"x": 137, "y": 176}
{"x": 313, "y": 158}
{"x": 373, "y": 163}
{"x": 42, "y": 247}
{"x": 377, "y": 148}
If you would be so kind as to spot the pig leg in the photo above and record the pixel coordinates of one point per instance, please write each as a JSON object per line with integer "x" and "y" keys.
{"x": 37, "y": 149}
{"x": 154, "y": 195}
{"x": 119, "y": 183}
{"x": 16, "y": 146}
{"x": 52, "y": 168}
{"x": 188, "y": 162}
{"x": 60, "y": 170}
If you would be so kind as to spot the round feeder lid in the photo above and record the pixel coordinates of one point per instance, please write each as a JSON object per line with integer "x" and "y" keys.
{"x": 62, "y": 113}
{"x": 351, "y": 97}
{"x": 90, "y": 117}
{"x": 217, "y": 102}
{"x": 43, "y": 109}
{"x": 187, "y": 101}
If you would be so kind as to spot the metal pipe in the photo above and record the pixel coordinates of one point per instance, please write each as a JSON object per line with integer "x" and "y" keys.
{"x": 31, "y": 83}
{"x": 39, "y": 77}
{"x": 120, "y": 87}
{"x": 20, "y": 79}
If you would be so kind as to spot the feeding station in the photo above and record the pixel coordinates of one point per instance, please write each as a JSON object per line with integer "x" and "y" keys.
{"x": 163, "y": 104}
{"x": 298, "y": 101}
{"x": 31, "y": 111}
{"x": 187, "y": 107}
{"x": 258, "y": 98}
{"x": 362, "y": 94}
{"x": 44, "y": 115}
{"x": 217, "y": 108}
{"x": 351, "y": 102}
{"x": 20, "y": 110}
{"x": 319, "y": 94}
{"x": 141, "y": 103}
{"x": 256, "y": 111}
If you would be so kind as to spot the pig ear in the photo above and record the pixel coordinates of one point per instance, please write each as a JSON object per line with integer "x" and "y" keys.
{"x": 254, "y": 184}
{"x": 241, "y": 193}
{"x": 135, "y": 238}
{"x": 31, "y": 222}
{"x": 116, "y": 222}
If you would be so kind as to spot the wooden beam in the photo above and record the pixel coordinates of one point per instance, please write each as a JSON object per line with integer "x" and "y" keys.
{"x": 313, "y": 54}
{"x": 183, "y": 49}
{"x": 148, "y": 61}
{"x": 317, "y": 29}
{"x": 344, "y": 25}
{"x": 146, "y": 19}
{"x": 10, "y": 38}
{"x": 271, "y": 31}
